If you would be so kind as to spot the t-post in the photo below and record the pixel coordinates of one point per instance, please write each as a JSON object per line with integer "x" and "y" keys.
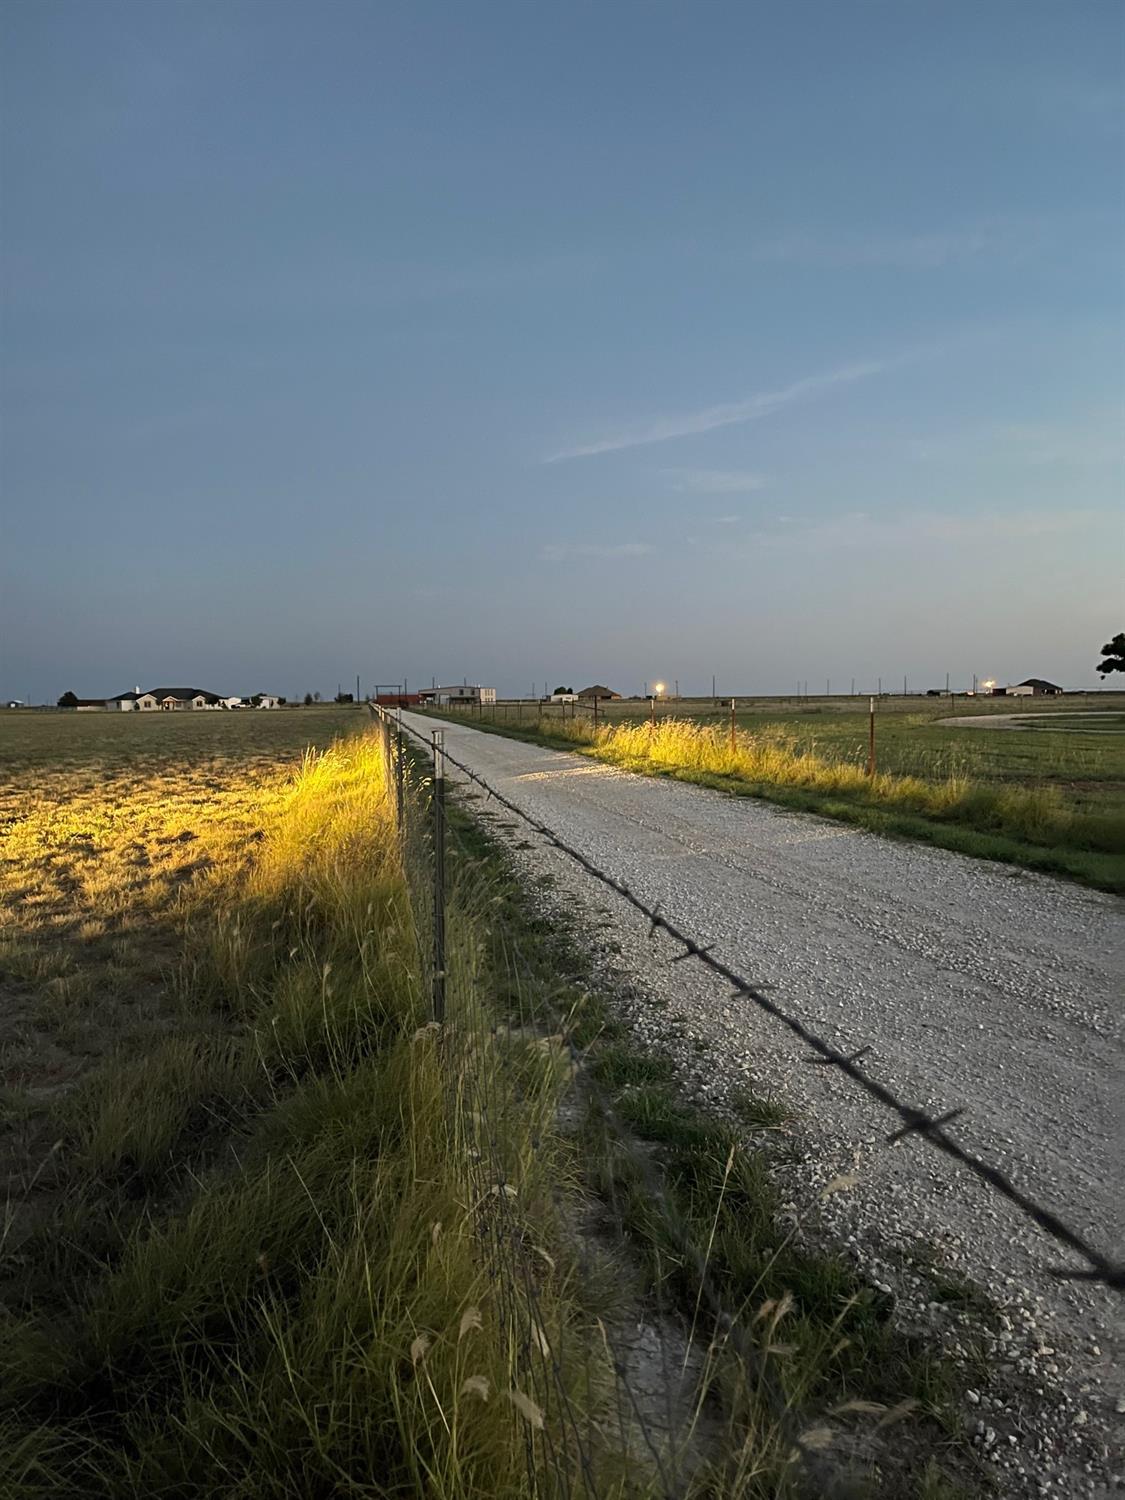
{"x": 871, "y": 738}
{"x": 438, "y": 991}
{"x": 732, "y": 728}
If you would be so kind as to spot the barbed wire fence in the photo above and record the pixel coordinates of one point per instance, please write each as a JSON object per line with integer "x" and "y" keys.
{"x": 485, "y": 1058}
{"x": 574, "y": 1422}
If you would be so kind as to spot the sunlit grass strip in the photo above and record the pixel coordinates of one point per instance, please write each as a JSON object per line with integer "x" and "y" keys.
{"x": 325, "y": 1312}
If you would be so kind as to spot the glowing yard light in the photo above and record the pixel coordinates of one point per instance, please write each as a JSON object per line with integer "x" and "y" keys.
{"x": 658, "y": 688}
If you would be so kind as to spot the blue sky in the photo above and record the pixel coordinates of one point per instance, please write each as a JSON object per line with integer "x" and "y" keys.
{"x": 781, "y": 341}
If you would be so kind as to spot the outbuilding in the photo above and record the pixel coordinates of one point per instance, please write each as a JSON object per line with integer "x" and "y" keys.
{"x": 1039, "y": 687}
{"x": 463, "y": 693}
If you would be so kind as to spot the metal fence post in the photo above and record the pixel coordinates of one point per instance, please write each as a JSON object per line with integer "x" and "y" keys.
{"x": 400, "y": 778}
{"x": 733, "y": 743}
{"x": 385, "y": 737}
{"x": 438, "y": 993}
{"x": 871, "y": 739}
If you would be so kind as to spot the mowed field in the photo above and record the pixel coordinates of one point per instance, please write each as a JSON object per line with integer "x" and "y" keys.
{"x": 106, "y": 820}
{"x": 1047, "y": 792}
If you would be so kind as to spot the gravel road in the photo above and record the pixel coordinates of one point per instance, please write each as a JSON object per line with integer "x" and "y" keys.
{"x": 975, "y": 984}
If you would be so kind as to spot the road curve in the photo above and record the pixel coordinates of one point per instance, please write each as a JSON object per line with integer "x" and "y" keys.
{"x": 974, "y": 983}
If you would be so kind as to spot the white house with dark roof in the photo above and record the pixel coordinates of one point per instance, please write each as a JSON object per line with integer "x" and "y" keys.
{"x": 169, "y": 700}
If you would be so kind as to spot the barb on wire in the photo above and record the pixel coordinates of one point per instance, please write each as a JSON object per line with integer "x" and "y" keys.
{"x": 914, "y": 1120}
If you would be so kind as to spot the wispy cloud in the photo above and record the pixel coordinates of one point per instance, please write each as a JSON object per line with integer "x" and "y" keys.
{"x": 751, "y": 409}
{"x": 565, "y": 551}
{"x": 715, "y": 481}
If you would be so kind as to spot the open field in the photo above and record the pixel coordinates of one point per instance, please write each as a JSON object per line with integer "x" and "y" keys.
{"x": 249, "y": 1198}
{"x": 1048, "y": 794}
{"x": 107, "y": 824}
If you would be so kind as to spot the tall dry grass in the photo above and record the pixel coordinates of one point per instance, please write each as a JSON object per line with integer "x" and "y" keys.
{"x": 330, "y": 1292}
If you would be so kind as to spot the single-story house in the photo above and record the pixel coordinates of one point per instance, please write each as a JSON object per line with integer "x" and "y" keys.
{"x": 597, "y": 692}
{"x": 268, "y": 700}
{"x": 1038, "y": 686}
{"x": 171, "y": 700}
{"x": 168, "y": 699}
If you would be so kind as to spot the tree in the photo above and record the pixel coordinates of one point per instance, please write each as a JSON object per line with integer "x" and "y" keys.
{"x": 345, "y": 697}
{"x": 1114, "y": 653}
{"x": 316, "y": 697}
{"x": 68, "y": 700}
{"x": 308, "y": 699}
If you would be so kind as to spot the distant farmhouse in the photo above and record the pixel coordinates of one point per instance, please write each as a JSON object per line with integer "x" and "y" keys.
{"x": 167, "y": 700}
{"x": 597, "y": 692}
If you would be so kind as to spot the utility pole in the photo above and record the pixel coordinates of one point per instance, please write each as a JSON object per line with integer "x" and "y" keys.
{"x": 853, "y": 687}
{"x": 904, "y": 684}
{"x": 676, "y": 685}
{"x": 712, "y": 690}
{"x": 357, "y": 687}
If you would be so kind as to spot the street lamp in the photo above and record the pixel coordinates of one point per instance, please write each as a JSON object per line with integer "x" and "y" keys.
{"x": 658, "y": 688}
